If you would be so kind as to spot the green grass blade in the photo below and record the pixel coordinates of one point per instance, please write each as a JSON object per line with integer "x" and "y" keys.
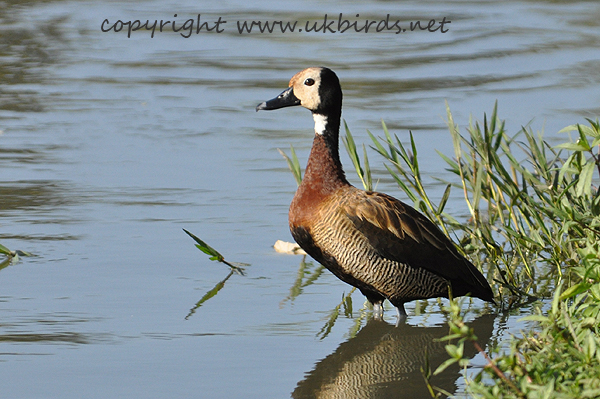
{"x": 5, "y": 251}
{"x": 353, "y": 154}
{"x": 444, "y": 200}
{"x": 215, "y": 255}
{"x": 293, "y": 164}
{"x": 388, "y": 138}
{"x": 207, "y": 249}
{"x": 584, "y": 185}
{"x": 378, "y": 146}
{"x": 367, "y": 170}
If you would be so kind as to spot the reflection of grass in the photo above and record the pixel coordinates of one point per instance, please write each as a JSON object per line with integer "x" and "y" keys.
{"x": 346, "y": 306}
{"x": 214, "y": 255}
{"x": 209, "y": 294}
{"x": 305, "y": 277}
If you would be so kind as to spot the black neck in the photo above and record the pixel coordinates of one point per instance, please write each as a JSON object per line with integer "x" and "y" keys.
{"x": 324, "y": 161}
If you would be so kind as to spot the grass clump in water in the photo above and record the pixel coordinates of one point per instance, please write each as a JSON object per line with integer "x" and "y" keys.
{"x": 234, "y": 267}
{"x": 11, "y": 257}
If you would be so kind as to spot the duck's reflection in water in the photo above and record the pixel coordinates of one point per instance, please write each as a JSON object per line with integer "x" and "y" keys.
{"x": 385, "y": 361}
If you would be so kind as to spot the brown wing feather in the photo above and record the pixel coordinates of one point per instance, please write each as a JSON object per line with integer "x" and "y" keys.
{"x": 402, "y": 234}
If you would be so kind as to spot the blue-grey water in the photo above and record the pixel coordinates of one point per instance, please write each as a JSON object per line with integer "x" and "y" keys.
{"x": 110, "y": 146}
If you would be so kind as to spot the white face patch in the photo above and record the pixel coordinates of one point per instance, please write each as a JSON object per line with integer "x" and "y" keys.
{"x": 320, "y": 123}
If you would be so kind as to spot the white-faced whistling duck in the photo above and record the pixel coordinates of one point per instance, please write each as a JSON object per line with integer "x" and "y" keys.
{"x": 369, "y": 240}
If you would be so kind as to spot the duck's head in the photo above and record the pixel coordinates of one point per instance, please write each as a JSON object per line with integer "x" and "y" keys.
{"x": 316, "y": 89}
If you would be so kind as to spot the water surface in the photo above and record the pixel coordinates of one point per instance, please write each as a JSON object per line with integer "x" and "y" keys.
{"x": 110, "y": 145}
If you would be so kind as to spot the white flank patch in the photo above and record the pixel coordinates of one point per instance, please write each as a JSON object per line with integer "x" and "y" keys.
{"x": 320, "y": 123}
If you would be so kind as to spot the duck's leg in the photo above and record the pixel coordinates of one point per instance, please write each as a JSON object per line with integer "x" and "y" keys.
{"x": 400, "y": 313}
{"x": 377, "y": 302}
{"x": 378, "y": 310}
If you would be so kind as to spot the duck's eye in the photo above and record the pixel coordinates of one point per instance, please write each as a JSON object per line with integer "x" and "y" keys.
{"x": 309, "y": 82}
